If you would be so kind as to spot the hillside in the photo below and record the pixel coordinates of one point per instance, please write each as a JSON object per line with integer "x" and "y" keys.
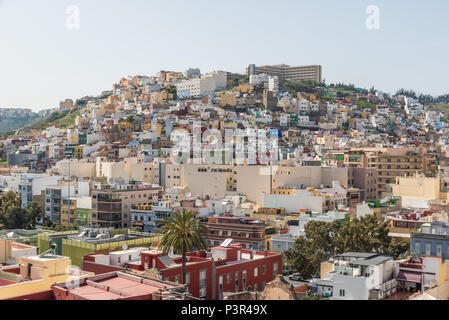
{"x": 12, "y": 124}
{"x": 57, "y": 119}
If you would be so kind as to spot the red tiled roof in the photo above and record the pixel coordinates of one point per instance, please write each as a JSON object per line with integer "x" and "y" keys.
{"x": 119, "y": 284}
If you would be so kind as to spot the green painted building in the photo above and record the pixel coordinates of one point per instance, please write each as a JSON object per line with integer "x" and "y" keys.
{"x": 83, "y": 216}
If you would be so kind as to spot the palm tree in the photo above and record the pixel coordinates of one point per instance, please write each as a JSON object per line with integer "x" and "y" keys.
{"x": 182, "y": 233}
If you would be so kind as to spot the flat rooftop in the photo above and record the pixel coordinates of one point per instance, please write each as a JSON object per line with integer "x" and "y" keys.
{"x": 118, "y": 286}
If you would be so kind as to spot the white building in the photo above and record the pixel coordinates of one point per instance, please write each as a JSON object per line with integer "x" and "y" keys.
{"x": 357, "y": 276}
{"x": 273, "y": 84}
{"x": 256, "y": 79}
{"x": 205, "y": 85}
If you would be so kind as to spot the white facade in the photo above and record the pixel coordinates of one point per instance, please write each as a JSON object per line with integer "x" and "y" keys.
{"x": 205, "y": 85}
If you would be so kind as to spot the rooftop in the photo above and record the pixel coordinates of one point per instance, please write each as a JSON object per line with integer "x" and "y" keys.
{"x": 116, "y": 285}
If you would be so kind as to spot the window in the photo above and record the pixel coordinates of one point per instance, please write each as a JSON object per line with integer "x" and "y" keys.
{"x": 342, "y": 293}
{"x": 275, "y": 269}
{"x": 428, "y": 249}
{"x": 264, "y": 269}
{"x": 129, "y": 258}
{"x": 119, "y": 260}
{"x": 203, "y": 284}
{"x": 236, "y": 281}
{"x": 187, "y": 277}
{"x": 220, "y": 287}
{"x": 228, "y": 278}
{"x": 439, "y": 250}
{"x": 177, "y": 278}
{"x": 256, "y": 271}
{"x": 417, "y": 247}
{"x": 244, "y": 280}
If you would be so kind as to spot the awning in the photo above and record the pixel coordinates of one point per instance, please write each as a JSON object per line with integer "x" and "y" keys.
{"x": 409, "y": 276}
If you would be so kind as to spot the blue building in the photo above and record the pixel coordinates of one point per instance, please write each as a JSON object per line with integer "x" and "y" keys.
{"x": 431, "y": 241}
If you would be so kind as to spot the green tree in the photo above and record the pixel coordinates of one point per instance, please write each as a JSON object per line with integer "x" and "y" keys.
{"x": 172, "y": 89}
{"x": 319, "y": 244}
{"x": 13, "y": 216}
{"x": 182, "y": 233}
{"x": 34, "y": 214}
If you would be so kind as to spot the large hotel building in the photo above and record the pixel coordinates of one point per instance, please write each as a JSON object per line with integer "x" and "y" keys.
{"x": 285, "y": 72}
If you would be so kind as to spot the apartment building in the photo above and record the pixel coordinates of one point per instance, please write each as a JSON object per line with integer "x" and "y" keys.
{"x": 364, "y": 179}
{"x": 432, "y": 240}
{"x": 250, "y": 233}
{"x": 65, "y": 189}
{"x": 111, "y": 207}
{"x": 76, "y": 211}
{"x": 149, "y": 218}
{"x": 390, "y": 163}
{"x": 286, "y": 72}
{"x": 205, "y": 85}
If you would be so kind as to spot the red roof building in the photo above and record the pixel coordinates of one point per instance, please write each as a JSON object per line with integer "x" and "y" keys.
{"x": 209, "y": 274}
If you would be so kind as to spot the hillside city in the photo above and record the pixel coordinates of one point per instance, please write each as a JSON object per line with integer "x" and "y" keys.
{"x": 266, "y": 185}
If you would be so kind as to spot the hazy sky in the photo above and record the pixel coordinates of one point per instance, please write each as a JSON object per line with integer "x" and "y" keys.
{"x": 43, "y": 62}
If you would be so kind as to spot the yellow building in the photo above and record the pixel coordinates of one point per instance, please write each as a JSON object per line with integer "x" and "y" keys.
{"x": 68, "y": 208}
{"x": 79, "y": 152}
{"x": 244, "y": 88}
{"x": 174, "y": 75}
{"x": 39, "y": 273}
{"x": 228, "y": 99}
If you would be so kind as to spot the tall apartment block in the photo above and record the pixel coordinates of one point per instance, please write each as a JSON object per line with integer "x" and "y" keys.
{"x": 286, "y": 72}
{"x": 390, "y": 163}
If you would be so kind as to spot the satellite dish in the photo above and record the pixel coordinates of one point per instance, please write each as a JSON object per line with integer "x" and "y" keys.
{"x": 125, "y": 247}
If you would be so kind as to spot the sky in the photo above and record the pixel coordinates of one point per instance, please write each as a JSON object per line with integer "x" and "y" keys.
{"x": 44, "y": 59}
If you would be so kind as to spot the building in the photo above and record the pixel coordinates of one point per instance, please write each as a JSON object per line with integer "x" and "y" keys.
{"x": 286, "y": 72}
{"x": 78, "y": 208}
{"x": 432, "y": 240}
{"x": 203, "y": 86}
{"x": 34, "y": 274}
{"x": 120, "y": 286}
{"x": 11, "y": 252}
{"x": 418, "y": 191}
{"x": 250, "y": 233}
{"x": 421, "y": 273}
{"x": 149, "y": 218}
{"x": 269, "y": 100}
{"x": 390, "y": 163}
{"x": 66, "y": 105}
{"x": 210, "y": 275}
{"x": 357, "y": 276}
{"x": 77, "y": 244}
{"x": 295, "y": 198}
{"x": 111, "y": 207}
{"x": 63, "y": 190}
{"x": 364, "y": 179}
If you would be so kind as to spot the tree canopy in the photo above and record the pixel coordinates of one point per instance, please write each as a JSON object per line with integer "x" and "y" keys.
{"x": 13, "y": 216}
